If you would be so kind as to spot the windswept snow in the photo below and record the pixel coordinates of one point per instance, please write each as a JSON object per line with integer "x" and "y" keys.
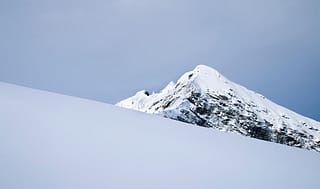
{"x": 204, "y": 97}
{"x": 55, "y": 141}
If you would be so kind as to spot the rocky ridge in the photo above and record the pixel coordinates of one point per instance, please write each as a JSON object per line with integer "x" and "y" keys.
{"x": 205, "y": 98}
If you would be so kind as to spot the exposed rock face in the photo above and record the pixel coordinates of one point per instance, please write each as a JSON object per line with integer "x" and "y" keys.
{"x": 204, "y": 97}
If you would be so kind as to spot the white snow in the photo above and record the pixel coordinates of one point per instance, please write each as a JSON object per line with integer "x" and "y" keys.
{"x": 49, "y": 140}
{"x": 210, "y": 80}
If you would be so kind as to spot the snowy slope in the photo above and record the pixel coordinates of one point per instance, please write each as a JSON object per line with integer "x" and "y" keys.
{"x": 204, "y": 97}
{"x": 55, "y": 141}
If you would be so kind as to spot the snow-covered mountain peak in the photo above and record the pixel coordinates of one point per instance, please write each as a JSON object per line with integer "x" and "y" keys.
{"x": 206, "y": 72}
{"x": 206, "y": 98}
{"x": 205, "y": 77}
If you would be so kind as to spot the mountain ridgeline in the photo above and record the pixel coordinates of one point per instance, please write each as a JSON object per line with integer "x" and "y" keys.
{"x": 206, "y": 98}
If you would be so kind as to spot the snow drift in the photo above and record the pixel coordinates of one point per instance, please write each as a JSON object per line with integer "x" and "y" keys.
{"x": 55, "y": 141}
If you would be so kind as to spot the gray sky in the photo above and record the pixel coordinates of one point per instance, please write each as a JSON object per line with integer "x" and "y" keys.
{"x": 107, "y": 50}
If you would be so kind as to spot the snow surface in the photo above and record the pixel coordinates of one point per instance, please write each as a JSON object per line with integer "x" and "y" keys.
{"x": 174, "y": 99}
{"x": 49, "y": 140}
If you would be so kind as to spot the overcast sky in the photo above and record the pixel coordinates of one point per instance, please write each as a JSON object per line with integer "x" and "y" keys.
{"x": 107, "y": 50}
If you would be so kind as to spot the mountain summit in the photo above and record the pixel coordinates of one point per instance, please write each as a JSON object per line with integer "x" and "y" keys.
{"x": 206, "y": 98}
